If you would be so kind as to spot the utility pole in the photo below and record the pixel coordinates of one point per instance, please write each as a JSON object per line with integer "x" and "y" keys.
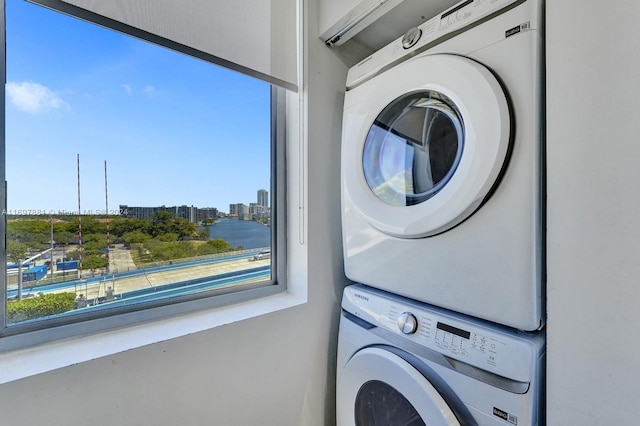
{"x": 106, "y": 199}
{"x": 79, "y": 226}
{"x": 20, "y": 278}
{"x": 51, "y": 255}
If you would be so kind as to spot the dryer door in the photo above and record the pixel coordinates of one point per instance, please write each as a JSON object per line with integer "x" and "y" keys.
{"x": 379, "y": 388}
{"x": 424, "y": 143}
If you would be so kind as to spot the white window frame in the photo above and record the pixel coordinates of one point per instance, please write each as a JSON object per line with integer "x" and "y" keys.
{"x": 38, "y": 351}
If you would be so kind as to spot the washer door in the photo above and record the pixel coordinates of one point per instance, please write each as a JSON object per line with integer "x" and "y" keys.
{"x": 424, "y": 144}
{"x": 379, "y": 388}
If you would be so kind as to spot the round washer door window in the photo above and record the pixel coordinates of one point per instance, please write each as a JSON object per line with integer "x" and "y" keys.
{"x": 377, "y": 387}
{"x": 424, "y": 144}
{"x": 380, "y": 404}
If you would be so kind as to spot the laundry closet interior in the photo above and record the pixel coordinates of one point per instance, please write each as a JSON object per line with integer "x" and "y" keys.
{"x": 465, "y": 238}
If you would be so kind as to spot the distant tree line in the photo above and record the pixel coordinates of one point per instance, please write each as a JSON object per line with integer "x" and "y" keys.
{"x": 162, "y": 237}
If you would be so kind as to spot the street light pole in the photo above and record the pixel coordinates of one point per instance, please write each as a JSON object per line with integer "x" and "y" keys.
{"x": 19, "y": 279}
{"x": 51, "y": 255}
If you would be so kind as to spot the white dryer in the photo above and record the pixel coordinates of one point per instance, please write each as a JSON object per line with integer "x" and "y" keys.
{"x": 442, "y": 163}
{"x": 401, "y": 362}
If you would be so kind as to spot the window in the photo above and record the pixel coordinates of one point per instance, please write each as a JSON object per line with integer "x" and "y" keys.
{"x": 141, "y": 181}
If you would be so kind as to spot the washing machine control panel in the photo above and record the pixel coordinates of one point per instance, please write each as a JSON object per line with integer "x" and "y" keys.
{"x": 469, "y": 340}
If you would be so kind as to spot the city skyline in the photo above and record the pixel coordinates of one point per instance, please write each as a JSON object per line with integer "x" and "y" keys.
{"x": 262, "y": 200}
{"x": 173, "y": 129}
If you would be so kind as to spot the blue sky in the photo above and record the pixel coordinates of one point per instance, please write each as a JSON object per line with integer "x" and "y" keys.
{"x": 174, "y": 130}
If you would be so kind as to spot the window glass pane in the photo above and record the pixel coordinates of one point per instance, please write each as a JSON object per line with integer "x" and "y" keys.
{"x": 135, "y": 174}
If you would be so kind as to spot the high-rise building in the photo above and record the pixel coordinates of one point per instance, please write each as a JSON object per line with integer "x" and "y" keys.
{"x": 186, "y": 212}
{"x": 141, "y": 212}
{"x": 189, "y": 213}
{"x": 263, "y": 198}
{"x": 207, "y": 213}
{"x": 239, "y": 210}
{"x": 243, "y": 212}
{"x": 255, "y": 210}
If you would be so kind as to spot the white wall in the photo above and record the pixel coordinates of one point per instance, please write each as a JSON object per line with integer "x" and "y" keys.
{"x": 593, "y": 86}
{"x": 278, "y": 369}
{"x": 272, "y": 370}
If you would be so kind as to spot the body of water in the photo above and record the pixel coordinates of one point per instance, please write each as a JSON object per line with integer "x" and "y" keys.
{"x": 245, "y": 233}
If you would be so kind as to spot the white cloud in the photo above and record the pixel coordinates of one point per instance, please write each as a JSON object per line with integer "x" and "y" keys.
{"x": 127, "y": 88}
{"x": 33, "y": 97}
{"x": 149, "y": 91}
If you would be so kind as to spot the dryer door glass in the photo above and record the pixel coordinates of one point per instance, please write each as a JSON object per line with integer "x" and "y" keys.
{"x": 379, "y": 404}
{"x": 413, "y": 148}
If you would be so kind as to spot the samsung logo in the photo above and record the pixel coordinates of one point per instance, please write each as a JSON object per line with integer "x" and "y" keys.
{"x": 499, "y": 413}
{"x": 359, "y": 296}
{"x": 505, "y": 416}
{"x": 525, "y": 26}
{"x": 512, "y": 31}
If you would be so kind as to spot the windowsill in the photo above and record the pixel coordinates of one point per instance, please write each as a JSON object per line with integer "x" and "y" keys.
{"x": 22, "y": 363}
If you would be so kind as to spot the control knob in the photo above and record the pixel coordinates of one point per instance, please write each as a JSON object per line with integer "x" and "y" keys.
{"x": 407, "y": 323}
{"x": 411, "y": 37}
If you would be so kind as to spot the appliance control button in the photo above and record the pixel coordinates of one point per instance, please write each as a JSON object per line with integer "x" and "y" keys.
{"x": 411, "y": 37}
{"x": 407, "y": 323}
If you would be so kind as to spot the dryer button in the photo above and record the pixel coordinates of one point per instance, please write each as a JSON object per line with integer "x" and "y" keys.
{"x": 411, "y": 37}
{"x": 407, "y": 323}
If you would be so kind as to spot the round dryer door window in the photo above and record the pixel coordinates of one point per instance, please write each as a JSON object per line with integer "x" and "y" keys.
{"x": 379, "y": 388}
{"x": 413, "y": 148}
{"x": 424, "y": 144}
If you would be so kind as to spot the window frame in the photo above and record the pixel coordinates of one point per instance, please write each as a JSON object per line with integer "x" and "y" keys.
{"x": 21, "y": 336}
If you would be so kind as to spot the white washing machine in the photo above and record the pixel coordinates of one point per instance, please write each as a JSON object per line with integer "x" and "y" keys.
{"x": 402, "y": 362}
{"x": 442, "y": 163}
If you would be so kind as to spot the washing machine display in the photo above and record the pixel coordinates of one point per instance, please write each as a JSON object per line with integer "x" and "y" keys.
{"x": 442, "y": 166}
{"x": 401, "y": 362}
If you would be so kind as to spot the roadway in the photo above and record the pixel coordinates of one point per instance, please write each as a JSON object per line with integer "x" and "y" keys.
{"x": 93, "y": 288}
{"x": 177, "y": 274}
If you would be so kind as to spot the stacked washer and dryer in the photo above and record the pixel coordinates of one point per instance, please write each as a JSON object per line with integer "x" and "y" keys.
{"x": 443, "y": 223}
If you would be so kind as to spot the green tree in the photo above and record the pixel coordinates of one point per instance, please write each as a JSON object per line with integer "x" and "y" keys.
{"x": 204, "y": 234}
{"x": 183, "y": 228}
{"x": 122, "y": 226}
{"x": 73, "y": 255}
{"x": 89, "y": 225}
{"x": 63, "y": 237}
{"x": 135, "y": 237}
{"x": 214, "y": 246}
{"x": 93, "y": 263}
{"x": 161, "y": 223}
{"x": 16, "y": 251}
{"x": 173, "y": 250}
{"x": 168, "y": 237}
{"x": 38, "y": 307}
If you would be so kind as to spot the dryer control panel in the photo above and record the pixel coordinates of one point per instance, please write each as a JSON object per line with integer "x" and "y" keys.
{"x": 510, "y": 354}
{"x": 433, "y": 32}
